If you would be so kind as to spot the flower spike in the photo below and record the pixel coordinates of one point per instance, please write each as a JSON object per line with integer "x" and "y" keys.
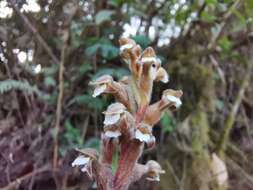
{"x": 128, "y": 123}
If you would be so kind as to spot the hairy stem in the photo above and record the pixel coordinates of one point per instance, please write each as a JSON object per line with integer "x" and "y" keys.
{"x": 130, "y": 153}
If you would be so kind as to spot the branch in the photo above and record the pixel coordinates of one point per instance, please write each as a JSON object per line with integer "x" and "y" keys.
{"x": 60, "y": 97}
{"x": 231, "y": 117}
{"x": 18, "y": 181}
{"x": 35, "y": 32}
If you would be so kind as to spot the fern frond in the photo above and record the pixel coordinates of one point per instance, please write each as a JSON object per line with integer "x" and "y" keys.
{"x": 23, "y": 86}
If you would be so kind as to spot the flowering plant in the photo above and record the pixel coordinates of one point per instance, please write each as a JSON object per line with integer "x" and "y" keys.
{"x": 129, "y": 122}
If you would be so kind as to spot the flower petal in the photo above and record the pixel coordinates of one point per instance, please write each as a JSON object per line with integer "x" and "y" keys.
{"x": 162, "y": 75}
{"x": 175, "y": 100}
{"x": 113, "y": 134}
{"x": 99, "y": 90}
{"x": 126, "y": 46}
{"x": 141, "y": 136}
{"x": 157, "y": 178}
{"x": 115, "y": 108}
{"x": 111, "y": 119}
{"x": 148, "y": 59}
{"x": 80, "y": 160}
{"x": 104, "y": 79}
{"x": 84, "y": 169}
{"x": 152, "y": 73}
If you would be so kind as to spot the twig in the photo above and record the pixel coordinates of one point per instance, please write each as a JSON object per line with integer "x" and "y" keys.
{"x": 219, "y": 70}
{"x": 246, "y": 175}
{"x": 60, "y": 97}
{"x": 85, "y": 127}
{"x": 35, "y": 32}
{"x": 173, "y": 173}
{"x": 223, "y": 24}
{"x": 15, "y": 94}
{"x": 27, "y": 176}
{"x": 231, "y": 117}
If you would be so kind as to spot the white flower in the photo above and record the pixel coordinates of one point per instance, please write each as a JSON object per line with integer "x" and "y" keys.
{"x": 175, "y": 100}
{"x": 149, "y": 59}
{"x": 113, "y": 134}
{"x": 126, "y": 46}
{"x": 162, "y": 75}
{"x": 113, "y": 113}
{"x": 80, "y": 160}
{"x": 99, "y": 90}
{"x": 156, "y": 178}
{"x": 111, "y": 119}
{"x": 101, "y": 84}
{"x": 154, "y": 171}
{"x": 142, "y": 136}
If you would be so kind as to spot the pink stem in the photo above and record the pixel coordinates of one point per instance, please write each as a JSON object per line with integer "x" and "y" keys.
{"x": 107, "y": 150}
{"x": 130, "y": 153}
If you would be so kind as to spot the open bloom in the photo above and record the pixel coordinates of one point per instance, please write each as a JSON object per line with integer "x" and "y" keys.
{"x": 126, "y": 46}
{"x": 80, "y": 161}
{"x": 113, "y": 113}
{"x": 154, "y": 171}
{"x": 173, "y": 97}
{"x": 85, "y": 160}
{"x": 112, "y": 131}
{"x": 144, "y": 133}
{"x": 101, "y": 84}
{"x": 153, "y": 66}
{"x": 162, "y": 75}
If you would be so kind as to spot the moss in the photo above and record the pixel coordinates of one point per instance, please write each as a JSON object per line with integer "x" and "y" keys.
{"x": 199, "y": 85}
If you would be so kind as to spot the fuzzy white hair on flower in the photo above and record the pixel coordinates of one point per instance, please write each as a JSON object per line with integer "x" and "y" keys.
{"x": 80, "y": 160}
{"x": 111, "y": 119}
{"x": 113, "y": 113}
{"x": 156, "y": 178}
{"x": 175, "y": 100}
{"x": 99, "y": 90}
{"x": 126, "y": 46}
{"x": 148, "y": 59}
{"x": 165, "y": 78}
{"x": 112, "y": 134}
{"x": 141, "y": 136}
{"x": 162, "y": 75}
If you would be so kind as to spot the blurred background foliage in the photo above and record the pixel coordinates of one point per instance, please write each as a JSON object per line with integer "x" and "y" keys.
{"x": 206, "y": 47}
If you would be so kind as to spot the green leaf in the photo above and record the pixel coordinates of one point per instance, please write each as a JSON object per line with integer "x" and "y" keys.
{"x": 207, "y": 17}
{"x": 168, "y": 125}
{"x": 93, "y": 103}
{"x": 49, "y": 81}
{"x": 142, "y": 40}
{"x": 85, "y": 67}
{"x": 225, "y": 44}
{"x": 92, "y": 50}
{"x": 211, "y": 2}
{"x": 107, "y": 49}
{"x": 71, "y": 138}
{"x": 115, "y": 159}
{"x": 102, "y": 16}
{"x": 93, "y": 143}
{"x": 115, "y": 72}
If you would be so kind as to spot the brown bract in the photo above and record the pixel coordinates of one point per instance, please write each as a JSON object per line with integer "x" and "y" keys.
{"x": 89, "y": 152}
